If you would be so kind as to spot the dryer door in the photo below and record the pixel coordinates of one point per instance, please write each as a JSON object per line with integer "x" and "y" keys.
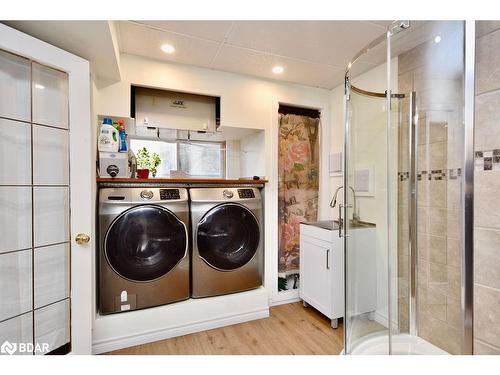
{"x": 228, "y": 236}
{"x": 145, "y": 242}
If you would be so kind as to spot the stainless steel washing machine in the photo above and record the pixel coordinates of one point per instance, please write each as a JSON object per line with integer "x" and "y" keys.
{"x": 144, "y": 247}
{"x": 228, "y": 246}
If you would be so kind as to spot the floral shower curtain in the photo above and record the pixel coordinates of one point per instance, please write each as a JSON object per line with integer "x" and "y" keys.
{"x": 298, "y": 168}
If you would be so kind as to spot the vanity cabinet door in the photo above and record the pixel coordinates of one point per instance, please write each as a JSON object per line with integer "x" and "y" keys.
{"x": 316, "y": 271}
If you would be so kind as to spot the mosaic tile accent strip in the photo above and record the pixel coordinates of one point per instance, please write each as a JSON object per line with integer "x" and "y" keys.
{"x": 435, "y": 174}
{"x": 487, "y": 160}
{"x": 403, "y": 176}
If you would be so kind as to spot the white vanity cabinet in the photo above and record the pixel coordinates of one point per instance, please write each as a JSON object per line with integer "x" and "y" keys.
{"x": 322, "y": 269}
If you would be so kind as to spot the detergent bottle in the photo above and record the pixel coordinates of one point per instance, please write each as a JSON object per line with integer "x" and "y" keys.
{"x": 108, "y": 137}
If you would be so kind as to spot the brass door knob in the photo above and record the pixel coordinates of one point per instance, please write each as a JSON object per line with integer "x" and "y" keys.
{"x": 82, "y": 238}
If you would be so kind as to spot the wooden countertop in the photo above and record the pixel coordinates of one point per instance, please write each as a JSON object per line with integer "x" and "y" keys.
{"x": 203, "y": 181}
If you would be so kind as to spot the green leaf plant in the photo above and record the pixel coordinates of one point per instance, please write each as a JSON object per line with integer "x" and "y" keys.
{"x": 147, "y": 161}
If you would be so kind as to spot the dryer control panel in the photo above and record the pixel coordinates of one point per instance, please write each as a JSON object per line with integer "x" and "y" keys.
{"x": 246, "y": 193}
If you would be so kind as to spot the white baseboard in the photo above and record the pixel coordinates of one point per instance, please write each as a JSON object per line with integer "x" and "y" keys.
{"x": 381, "y": 318}
{"x": 170, "y": 332}
{"x": 284, "y": 297}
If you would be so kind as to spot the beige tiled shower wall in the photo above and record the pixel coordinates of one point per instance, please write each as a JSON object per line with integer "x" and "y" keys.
{"x": 434, "y": 72}
{"x": 486, "y": 186}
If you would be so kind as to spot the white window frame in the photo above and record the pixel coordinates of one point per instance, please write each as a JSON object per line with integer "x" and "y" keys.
{"x": 179, "y": 141}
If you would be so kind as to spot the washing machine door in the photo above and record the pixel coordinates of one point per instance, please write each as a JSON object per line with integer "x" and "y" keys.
{"x": 145, "y": 242}
{"x": 228, "y": 236}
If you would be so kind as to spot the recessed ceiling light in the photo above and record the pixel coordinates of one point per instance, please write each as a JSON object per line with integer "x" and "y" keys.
{"x": 278, "y": 69}
{"x": 437, "y": 39}
{"x": 167, "y": 48}
{"x": 38, "y": 86}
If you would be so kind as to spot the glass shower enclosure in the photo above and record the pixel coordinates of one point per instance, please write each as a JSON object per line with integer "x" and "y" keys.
{"x": 407, "y": 224}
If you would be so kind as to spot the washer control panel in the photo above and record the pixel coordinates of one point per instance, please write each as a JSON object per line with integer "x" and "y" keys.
{"x": 169, "y": 194}
{"x": 246, "y": 193}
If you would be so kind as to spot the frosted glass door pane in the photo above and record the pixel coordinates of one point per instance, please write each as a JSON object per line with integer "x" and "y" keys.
{"x": 15, "y": 152}
{"x": 15, "y": 76}
{"x": 50, "y": 156}
{"x": 51, "y": 208}
{"x": 51, "y": 274}
{"x": 50, "y": 96}
{"x": 18, "y": 329}
{"x": 52, "y": 325}
{"x": 15, "y": 279}
{"x": 15, "y": 218}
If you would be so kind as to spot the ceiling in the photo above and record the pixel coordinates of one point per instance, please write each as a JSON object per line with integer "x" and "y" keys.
{"x": 313, "y": 53}
{"x": 94, "y": 41}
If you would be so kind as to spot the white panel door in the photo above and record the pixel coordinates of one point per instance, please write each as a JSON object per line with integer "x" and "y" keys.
{"x": 45, "y": 127}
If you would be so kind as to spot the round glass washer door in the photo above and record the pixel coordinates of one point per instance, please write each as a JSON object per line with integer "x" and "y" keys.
{"x": 145, "y": 242}
{"x": 228, "y": 236}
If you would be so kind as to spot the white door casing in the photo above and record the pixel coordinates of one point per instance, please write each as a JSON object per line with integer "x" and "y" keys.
{"x": 82, "y": 173}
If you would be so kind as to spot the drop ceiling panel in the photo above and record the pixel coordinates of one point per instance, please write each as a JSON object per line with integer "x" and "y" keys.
{"x": 238, "y": 60}
{"x": 212, "y": 30}
{"x": 326, "y": 42}
{"x": 143, "y": 41}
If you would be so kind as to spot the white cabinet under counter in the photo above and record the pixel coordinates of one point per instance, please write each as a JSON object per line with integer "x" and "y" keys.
{"x": 322, "y": 268}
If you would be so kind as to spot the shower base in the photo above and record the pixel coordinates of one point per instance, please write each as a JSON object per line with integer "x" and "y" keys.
{"x": 402, "y": 344}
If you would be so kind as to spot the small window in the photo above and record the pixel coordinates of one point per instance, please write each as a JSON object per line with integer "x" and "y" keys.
{"x": 202, "y": 159}
{"x": 196, "y": 158}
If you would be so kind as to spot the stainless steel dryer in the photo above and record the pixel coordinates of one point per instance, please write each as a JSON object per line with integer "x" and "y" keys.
{"x": 228, "y": 244}
{"x": 144, "y": 251}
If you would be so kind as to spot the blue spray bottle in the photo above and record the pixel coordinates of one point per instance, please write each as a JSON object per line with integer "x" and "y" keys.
{"x": 123, "y": 139}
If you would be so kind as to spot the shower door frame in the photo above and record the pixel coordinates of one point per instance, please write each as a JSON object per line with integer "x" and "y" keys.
{"x": 467, "y": 193}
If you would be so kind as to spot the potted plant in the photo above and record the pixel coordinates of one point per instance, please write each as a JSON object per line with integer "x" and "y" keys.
{"x": 147, "y": 163}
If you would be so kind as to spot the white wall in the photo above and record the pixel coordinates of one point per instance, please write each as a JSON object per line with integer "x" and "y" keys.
{"x": 246, "y": 102}
{"x": 371, "y": 149}
{"x": 253, "y": 160}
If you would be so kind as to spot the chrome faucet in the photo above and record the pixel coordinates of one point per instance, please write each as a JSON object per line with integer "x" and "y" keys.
{"x": 333, "y": 203}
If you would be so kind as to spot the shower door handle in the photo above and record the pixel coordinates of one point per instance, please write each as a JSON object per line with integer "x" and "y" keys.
{"x": 340, "y": 219}
{"x": 341, "y": 222}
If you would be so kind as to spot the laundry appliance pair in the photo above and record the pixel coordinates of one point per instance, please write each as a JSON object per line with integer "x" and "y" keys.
{"x": 159, "y": 245}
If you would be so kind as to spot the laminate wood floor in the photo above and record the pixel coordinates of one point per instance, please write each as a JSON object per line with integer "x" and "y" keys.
{"x": 290, "y": 329}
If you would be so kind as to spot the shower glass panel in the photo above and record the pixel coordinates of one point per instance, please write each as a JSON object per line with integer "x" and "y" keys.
{"x": 366, "y": 258}
{"x": 404, "y": 160}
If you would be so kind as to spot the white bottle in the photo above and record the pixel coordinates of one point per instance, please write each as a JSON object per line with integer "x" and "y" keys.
{"x": 108, "y": 140}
